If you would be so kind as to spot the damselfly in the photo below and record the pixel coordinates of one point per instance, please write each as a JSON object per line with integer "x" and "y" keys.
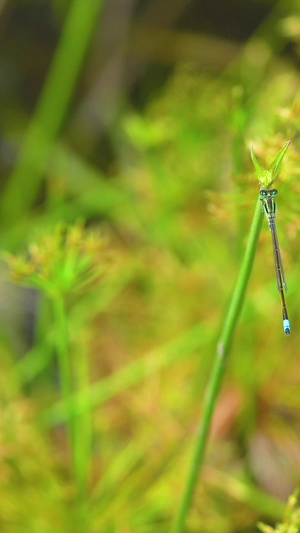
{"x": 267, "y": 196}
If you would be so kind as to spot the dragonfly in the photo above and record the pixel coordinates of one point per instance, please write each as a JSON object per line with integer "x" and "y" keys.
{"x": 267, "y": 196}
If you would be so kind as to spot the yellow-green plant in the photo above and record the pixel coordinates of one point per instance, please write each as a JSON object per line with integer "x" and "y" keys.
{"x": 224, "y": 344}
{"x": 291, "y": 519}
{"x": 61, "y": 265}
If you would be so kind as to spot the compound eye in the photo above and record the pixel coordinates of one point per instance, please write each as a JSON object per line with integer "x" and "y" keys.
{"x": 262, "y": 193}
{"x": 274, "y": 192}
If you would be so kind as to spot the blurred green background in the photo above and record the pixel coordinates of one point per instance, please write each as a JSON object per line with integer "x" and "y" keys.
{"x": 137, "y": 117}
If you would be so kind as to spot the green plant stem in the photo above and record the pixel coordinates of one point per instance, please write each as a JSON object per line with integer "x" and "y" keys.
{"x": 79, "y": 428}
{"x": 65, "y": 374}
{"x": 51, "y": 109}
{"x": 84, "y": 421}
{"x": 218, "y": 369}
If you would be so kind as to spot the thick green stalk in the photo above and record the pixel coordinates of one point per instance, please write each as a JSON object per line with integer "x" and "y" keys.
{"x": 51, "y": 109}
{"x": 218, "y": 369}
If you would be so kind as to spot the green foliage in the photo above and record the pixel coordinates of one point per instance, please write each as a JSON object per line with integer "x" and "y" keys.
{"x": 51, "y": 110}
{"x": 63, "y": 262}
{"x": 99, "y": 413}
{"x": 291, "y": 521}
{"x": 267, "y": 177}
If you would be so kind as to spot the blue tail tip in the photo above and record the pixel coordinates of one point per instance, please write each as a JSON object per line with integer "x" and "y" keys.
{"x": 286, "y": 326}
